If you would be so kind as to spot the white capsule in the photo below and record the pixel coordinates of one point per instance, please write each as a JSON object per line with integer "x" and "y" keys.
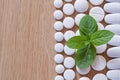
{"x": 58, "y": 26}
{"x": 100, "y": 26}
{"x": 112, "y": 7}
{"x": 99, "y": 63}
{"x": 58, "y": 36}
{"x": 58, "y": 58}
{"x": 69, "y": 74}
{"x": 68, "y": 34}
{"x": 113, "y": 74}
{"x": 69, "y": 51}
{"x": 115, "y": 28}
{"x": 77, "y": 33}
{"x": 58, "y": 3}
{"x": 68, "y": 22}
{"x": 113, "y": 0}
{"x": 112, "y": 18}
{"x": 96, "y": 2}
{"x": 83, "y": 71}
{"x": 68, "y": 9}
{"x": 68, "y": 0}
{"x": 101, "y": 49}
{"x": 59, "y": 47}
{"x": 59, "y": 69}
{"x": 69, "y": 62}
{"x": 59, "y": 77}
{"x": 99, "y": 76}
{"x": 115, "y": 41}
{"x": 81, "y": 5}
{"x": 84, "y": 78}
{"x": 58, "y": 14}
{"x": 97, "y": 13}
{"x": 78, "y": 18}
{"x": 113, "y": 52}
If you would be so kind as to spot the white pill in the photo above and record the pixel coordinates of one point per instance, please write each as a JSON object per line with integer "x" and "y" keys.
{"x": 112, "y": 7}
{"x": 81, "y": 5}
{"x": 78, "y": 18}
{"x": 99, "y": 63}
{"x": 59, "y": 77}
{"x": 58, "y": 14}
{"x": 58, "y": 3}
{"x": 101, "y": 49}
{"x": 115, "y": 28}
{"x": 58, "y": 36}
{"x": 115, "y": 41}
{"x": 99, "y": 76}
{"x": 100, "y": 26}
{"x": 69, "y": 62}
{"x": 113, "y": 52}
{"x": 84, "y": 78}
{"x": 59, "y": 47}
{"x": 113, "y": 74}
{"x": 59, "y": 69}
{"x": 113, "y": 0}
{"x": 97, "y": 13}
{"x": 69, "y": 51}
{"x": 113, "y": 64}
{"x": 69, "y": 74}
{"x": 77, "y": 33}
{"x": 68, "y": 9}
{"x": 83, "y": 71}
{"x": 96, "y": 2}
{"x": 68, "y": 34}
{"x": 112, "y": 18}
{"x": 58, "y": 26}
{"x": 58, "y": 58}
{"x": 68, "y": 22}
{"x": 68, "y": 0}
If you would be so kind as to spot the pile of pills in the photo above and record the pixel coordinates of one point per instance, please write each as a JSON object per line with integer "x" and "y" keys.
{"x": 65, "y": 9}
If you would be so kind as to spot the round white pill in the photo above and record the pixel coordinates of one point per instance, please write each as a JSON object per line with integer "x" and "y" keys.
{"x": 68, "y": 22}
{"x": 78, "y": 18}
{"x": 96, "y": 2}
{"x": 58, "y": 58}
{"x": 68, "y": 9}
{"x": 69, "y": 51}
{"x": 59, "y": 69}
{"x": 97, "y": 13}
{"x": 69, "y": 62}
{"x": 84, "y": 78}
{"x": 83, "y": 71}
{"x": 68, "y": 34}
{"x": 77, "y": 33}
{"x": 58, "y": 26}
{"x": 69, "y": 74}
{"x": 58, "y": 3}
{"x": 99, "y": 76}
{"x": 58, "y": 14}
{"x": 59, "y": 77}
{"x": 59, "y": 47}
{"x": 81, "y": 5}
{"x": 99, "y": 63}
{"x": 58, "y": 36}
{"x": 68, "y": 0}
{"x": 101, "y": 49}
{"x": 100, "y": 26}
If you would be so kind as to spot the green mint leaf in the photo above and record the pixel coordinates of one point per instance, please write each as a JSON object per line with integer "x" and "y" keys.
{"x": 76, "y": 42}
{"x": 101, "y": 37}
{"x": 88, "y": 26}
{"x": 85, "y": 56}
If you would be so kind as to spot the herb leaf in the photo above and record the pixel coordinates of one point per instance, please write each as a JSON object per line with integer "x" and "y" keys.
{"x": 101, "y": 37}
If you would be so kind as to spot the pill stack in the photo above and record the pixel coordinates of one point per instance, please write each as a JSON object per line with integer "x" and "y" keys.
{"x": 112, "y": 8}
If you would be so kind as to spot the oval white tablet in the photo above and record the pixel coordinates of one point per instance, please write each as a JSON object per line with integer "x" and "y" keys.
{"x": 58, "y": 36}
{"x": 113, "y": 52}
{"x": 113, "y": 0}
{"x": 59, "y": 69}
{"x": 58, "y": 58}
{"x": 113, "y": 64}
{"x": 97, "y": 13}
{"x": 68, "y": 34}
{"x": 68, "y": 22}
{"x": 113, "y": 74}
{"x": 69, "y": 74}
{"x": 96, "y": 2}
{"x": 115, "y": 28}
{"x": 59, "y": 77}
{"x": 112, "y": 18}
{"x": 69, "y": 62}
{"x": 69, "y": 51}
{"x": 115, "y": 41}
{"x": 59, "y": 47}
{"x": 68, "y": 0}
{"x": 101, "y": 49}
{"x": 58, "y": 3}
{"x": 99, "y": 63}
{"x": 68, "y": 9}
{"x": 81, "y": 5}
{"x": 99, "y": 76}
{"x": 77, "y": 33}
{"x": 58, "y": 26}
{"x": 83, "y": 71}
{"x": 84, "y": 78}
{"x": 100, "y": 26}
{"x": 78, "y": 18}
{"x": 58, "y": 14}
{"x": 112, "y": 7}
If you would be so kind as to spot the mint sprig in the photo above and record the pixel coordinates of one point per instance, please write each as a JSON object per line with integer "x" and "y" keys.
{"x": 85, "y": 44}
